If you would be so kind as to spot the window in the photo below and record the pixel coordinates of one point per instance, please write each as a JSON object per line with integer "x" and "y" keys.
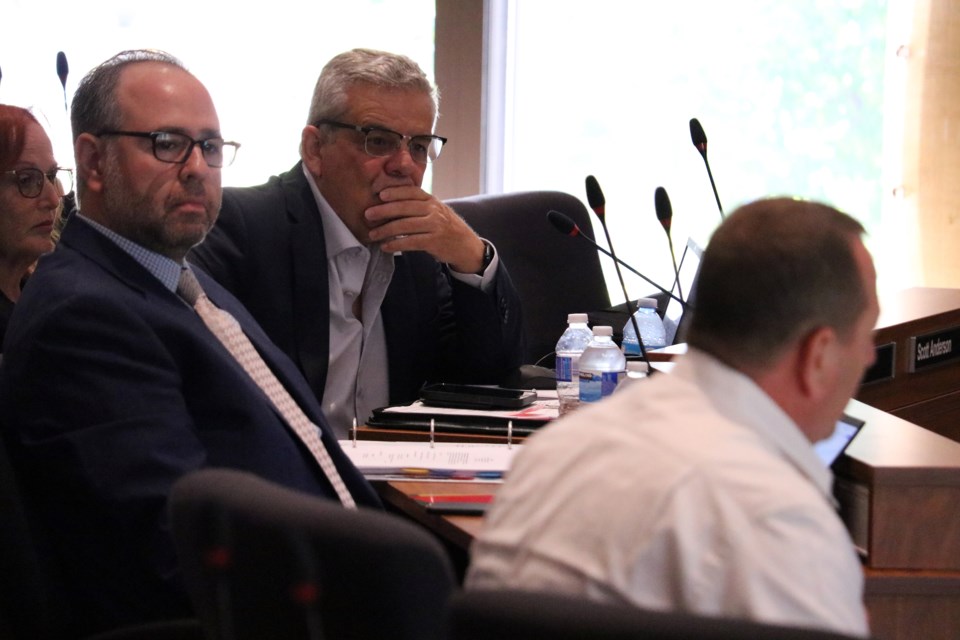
{"x": 259, "y": 60}
{"x": 797, "y": 98}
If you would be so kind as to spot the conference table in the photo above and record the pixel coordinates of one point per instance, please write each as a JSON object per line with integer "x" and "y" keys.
{"x": 899, "y": 487}
{"x": 458, "y": 530}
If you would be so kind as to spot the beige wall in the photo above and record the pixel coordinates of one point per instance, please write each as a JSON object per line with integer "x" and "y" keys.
{"x": 459, "y": 74}
{"x": 932, "y": 140}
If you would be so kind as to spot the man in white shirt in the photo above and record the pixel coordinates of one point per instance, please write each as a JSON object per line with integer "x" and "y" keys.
{"x": 369, "y": 283}
{"x": 699, "y": 490}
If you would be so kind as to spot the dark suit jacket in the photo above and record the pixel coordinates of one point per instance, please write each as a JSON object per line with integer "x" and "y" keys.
{"x": 268, "y": 249}
{"x": 111, "y": 389}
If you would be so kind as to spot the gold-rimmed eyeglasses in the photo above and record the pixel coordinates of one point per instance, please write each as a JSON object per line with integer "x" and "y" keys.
{"x": 29, "y": 181}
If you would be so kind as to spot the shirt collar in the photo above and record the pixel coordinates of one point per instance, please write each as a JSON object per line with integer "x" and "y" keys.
{"x": 166, "y": 270}
{"x": 337, "y": 237}
{"x": 739, "y": 399}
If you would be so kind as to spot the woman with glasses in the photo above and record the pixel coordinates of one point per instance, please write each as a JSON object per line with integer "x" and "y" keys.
{"x": 31, "y": 187}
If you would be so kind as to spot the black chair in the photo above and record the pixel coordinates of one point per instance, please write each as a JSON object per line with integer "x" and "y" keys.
{"x": 531, "y": 615}
{"x": 30, "y": 609}
{"x": 27, "y": 606}
{"x": 263, "y": 561}
{"x": 554, "y": 274}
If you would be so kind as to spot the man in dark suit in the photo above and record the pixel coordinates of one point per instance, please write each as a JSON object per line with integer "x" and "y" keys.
{"x": 112, "y": 386}
{"x": 369, "y": 283}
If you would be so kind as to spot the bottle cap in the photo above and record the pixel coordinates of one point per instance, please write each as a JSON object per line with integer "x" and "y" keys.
{"x": 580, "y": 318}
{"x": 647, "y": 303}
{"x": 637, "y": 366}
{"x": 603, "y": 331}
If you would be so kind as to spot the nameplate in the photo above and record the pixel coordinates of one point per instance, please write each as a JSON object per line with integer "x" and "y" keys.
{"x": 883, "y": 367}
{"x": 934, "y": 348}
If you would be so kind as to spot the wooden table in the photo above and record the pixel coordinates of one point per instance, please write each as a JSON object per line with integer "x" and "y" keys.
{"x": 927, "y": 396}
{"x": 460, "y": 530}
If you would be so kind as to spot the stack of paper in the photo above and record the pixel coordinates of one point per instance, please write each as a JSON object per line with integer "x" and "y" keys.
{"x": 418, "y": 417}
{"x": 444, "y": 460}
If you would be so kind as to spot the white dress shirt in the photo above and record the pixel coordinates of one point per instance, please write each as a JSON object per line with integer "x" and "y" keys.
{"x": 358, "y": 376}
{"x": 691, "y": 491}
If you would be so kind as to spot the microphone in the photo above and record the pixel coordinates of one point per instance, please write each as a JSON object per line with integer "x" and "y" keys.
{"x": 661, "y": 202}
{"x": 699, "y": 138}
{"x": 596, "y": 200}
{"x": 598, "y": 204}
{"x": 69, "y": 200}
{"x": 562, "y": 223}
{"x": 62, "y": 70}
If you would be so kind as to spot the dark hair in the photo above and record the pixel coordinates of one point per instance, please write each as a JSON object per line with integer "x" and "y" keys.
{"x": 94, "y": 107}
{"x": 773, "y": 271}
{"x": 13, "y": 134}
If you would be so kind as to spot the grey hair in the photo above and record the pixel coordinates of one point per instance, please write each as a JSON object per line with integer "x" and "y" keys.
{"x": 365, "y": 66}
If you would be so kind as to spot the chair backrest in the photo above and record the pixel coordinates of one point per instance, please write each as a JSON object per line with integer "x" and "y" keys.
{"x": 531, "y": 615}
{"x": 27, "y": 604}
{"x": 30, "y": 607}
{"x": 553, "y": 273}
{"x": 263, "y": 561}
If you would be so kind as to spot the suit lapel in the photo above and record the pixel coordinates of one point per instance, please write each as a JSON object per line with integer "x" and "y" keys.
{"x": 311, "y": 291}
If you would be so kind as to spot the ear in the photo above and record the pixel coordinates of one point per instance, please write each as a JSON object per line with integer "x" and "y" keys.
{"x": 90, "y": 161}
{"x": 311, "y": 150}
{"x": 818, "y": 359}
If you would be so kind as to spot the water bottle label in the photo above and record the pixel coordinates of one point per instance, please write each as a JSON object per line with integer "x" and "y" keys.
{"x": 609, "y": 382}
{"x": 564, "y": 369}
{"x": 631, "y": 347}
{"x": 595, "y": 385}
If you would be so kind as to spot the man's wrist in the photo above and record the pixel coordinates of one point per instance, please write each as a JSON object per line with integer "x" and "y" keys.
{"x": 488, "y": 254}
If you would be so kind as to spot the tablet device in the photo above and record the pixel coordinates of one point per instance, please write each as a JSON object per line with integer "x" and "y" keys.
{"x": 830, "y": 449}
{"x": 468, "y": 396}
{"x": 455, "y": 504}
{"x": 676, "y": 316}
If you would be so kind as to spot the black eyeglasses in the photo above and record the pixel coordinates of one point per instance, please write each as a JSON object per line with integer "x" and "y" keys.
{"x": 30, "y": 181}
{"x": 380, "y": 142}
{"x": 177, "y": 147}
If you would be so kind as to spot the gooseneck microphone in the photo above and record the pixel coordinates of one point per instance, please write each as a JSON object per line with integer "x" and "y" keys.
{"x": 62, "y": 70}
{"x": 70, "y": 199}
{"x": 661, "y": 202}
{"x": 699, "y": 138}
{"x": 562, "y": 223}
{"x": 598, "y": 204}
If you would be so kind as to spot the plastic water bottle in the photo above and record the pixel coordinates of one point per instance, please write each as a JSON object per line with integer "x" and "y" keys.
{"x": 571, "y": 344}
{"x": 651, "y": 328}
{"x": 636, "y": 370}
{"x": 602, "y": 366}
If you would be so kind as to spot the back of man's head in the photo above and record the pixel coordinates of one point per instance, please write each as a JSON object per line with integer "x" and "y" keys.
{"x": 773, "y": 271}
{"x": 379, "y": 69}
